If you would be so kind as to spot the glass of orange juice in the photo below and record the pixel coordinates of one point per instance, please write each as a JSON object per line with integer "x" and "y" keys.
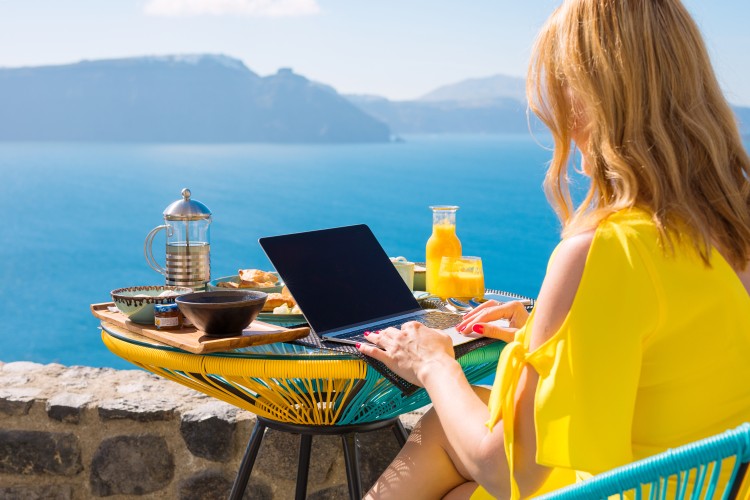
{"x": 460, "y": 277}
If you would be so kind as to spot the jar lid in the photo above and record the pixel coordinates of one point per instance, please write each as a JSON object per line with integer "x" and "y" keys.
{"x": 187, "y": 209}
{"x": 162, "y": 308}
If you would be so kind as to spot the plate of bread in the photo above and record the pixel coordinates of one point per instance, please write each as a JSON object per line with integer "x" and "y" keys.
{"x": 249, "y": 279}
{"x": 281, "y": 309}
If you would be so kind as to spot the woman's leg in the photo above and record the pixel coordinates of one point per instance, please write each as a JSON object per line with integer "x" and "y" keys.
{"x": 426, "y": 467}
{"x": 462, "y": 492}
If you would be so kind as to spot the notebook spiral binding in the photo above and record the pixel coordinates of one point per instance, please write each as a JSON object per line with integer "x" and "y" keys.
{"x": 528, "y": 306}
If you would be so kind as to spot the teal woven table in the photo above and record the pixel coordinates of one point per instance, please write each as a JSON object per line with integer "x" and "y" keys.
{"x": 293, "y": 388}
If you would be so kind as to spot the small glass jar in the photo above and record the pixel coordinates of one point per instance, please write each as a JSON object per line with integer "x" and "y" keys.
{"x": 167, "y": 317}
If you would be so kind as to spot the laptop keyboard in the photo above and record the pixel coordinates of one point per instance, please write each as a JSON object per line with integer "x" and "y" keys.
{"x": 433, "y": 319}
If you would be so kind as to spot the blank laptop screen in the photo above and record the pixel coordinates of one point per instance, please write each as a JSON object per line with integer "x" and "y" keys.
{"x": 339, "y": 277}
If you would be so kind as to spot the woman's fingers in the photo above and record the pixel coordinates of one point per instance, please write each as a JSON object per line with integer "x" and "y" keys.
{"x": 385, "y": 339}
{"x": 409, "y": 350}
{"x": 484, "y": 316}
{"x": 373, "y": 351}
{"x": 377, "y": 350}
{"x": 495, "y": 331}
{"x": 491, "y": 311}
{"x": 489, "y": 307}
{"x": 482, "y": 307}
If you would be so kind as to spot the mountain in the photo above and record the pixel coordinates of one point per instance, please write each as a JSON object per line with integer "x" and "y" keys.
{"x": 194, "y": 98}
{"x": 495, "y": 104}
{"x": 506, "y": 116}
{"x": 480, "y": 90}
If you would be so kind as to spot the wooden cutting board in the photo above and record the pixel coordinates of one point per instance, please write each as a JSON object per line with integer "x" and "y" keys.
{"x": 193, "y": 340}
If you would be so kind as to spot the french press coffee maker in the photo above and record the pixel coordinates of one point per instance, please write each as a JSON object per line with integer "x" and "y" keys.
{"x": 188, "y": 263}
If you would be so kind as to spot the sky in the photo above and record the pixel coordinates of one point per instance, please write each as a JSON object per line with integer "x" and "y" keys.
{"x": 400, "y": 49}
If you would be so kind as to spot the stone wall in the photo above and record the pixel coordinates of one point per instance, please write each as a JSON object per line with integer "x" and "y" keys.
{"x": 81, "y": 432}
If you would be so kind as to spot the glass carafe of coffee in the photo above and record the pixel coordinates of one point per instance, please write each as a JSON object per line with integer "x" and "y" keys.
{"x": 188, "y": 263}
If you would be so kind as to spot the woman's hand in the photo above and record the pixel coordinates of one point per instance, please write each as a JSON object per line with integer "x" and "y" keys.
{"x": 477, "y": 320}
{"x": 411, "y": 351}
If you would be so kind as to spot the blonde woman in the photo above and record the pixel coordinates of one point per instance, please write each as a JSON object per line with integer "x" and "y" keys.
{"x": 640, "y": 340}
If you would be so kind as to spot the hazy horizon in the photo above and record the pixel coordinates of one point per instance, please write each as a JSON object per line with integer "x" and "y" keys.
{"x": 393, "y": 49}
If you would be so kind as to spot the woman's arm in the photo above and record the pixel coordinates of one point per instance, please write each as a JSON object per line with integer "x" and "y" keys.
{"x": 425, "y": 357}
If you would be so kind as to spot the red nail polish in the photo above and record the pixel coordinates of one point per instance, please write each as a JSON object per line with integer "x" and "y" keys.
{"x": 357, "y": 345}
{"x": 376, "y": 331}
{"x": 478, "y": 329}
{"x": 366, "y": 334}
{"x": 460, "y": 328}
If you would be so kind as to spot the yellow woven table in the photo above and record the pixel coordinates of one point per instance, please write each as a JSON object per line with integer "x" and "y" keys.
{"x": 292, "y": 388}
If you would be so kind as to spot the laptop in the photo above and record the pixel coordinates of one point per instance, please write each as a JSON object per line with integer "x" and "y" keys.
{"x": 345, "y": 284}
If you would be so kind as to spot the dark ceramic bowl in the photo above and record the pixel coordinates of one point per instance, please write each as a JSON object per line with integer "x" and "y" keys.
{"x": 222, "y": 314}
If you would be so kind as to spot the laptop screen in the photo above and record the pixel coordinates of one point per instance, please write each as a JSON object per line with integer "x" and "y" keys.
{"x": 339, "y": 277}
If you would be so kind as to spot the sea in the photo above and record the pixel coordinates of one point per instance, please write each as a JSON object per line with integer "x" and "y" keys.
{"x": 75, "y": 216}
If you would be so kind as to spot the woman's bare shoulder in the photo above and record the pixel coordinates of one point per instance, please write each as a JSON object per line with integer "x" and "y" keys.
{"x": 560, "y": 286}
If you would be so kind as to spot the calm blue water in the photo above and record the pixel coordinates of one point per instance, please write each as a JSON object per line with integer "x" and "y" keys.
{"x": 74, "y": 217}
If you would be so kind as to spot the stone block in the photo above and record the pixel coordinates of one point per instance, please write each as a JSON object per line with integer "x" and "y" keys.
{"x": 131, "y": 465}
{"x": 86, "y": 373}
{"x": 36, "y": 452}
{"x": 257, "y": 490}
{"x": 14, "y": 379}
{"x": 37, "y": 492}
{"x": 22, "y": 367}
{"x": 279, "y": 455}
{"x": 213, "y": 485}
{"x": 208, "y": 431}
{"x": 338, "y": 492}
{"x": 205, "y": 485}
{"x": 17, "y": 401}
{"x": 138, "y": 409}
{"x": 67, "y": 407}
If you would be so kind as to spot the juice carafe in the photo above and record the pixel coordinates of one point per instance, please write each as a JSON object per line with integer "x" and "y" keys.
{"x": 442, "y": 243}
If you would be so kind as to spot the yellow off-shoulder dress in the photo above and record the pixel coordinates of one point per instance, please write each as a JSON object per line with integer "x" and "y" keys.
{"x": 654, "y": 353}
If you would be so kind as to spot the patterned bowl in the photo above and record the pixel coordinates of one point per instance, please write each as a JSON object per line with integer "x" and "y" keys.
{"x": 137, "y": 302}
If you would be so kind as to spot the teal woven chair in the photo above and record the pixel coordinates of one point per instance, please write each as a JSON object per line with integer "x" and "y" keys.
{"x": 699, "y": 463}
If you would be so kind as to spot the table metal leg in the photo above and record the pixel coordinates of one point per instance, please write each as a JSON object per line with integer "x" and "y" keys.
{"x": 735, "y": 491}
{"x": 400, "y": 432}
{"x": 246, "y": 466}
{"x": 303, "y": 466}
{"x": 348, "y": 435}
{"x": 351, "y": 459}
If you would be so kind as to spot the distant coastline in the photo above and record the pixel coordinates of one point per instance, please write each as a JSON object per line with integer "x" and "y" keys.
{"x": 179, "y": 99}
{"x": 206, "y": 98}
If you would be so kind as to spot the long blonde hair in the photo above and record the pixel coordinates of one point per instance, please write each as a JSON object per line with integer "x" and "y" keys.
{"x": 661, "y": 136}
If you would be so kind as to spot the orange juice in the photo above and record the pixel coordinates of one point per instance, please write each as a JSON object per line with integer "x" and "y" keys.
{"x": 460, "y": 277}
{"x": 461, "y": 284}
{"x": 442, "y": 243}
